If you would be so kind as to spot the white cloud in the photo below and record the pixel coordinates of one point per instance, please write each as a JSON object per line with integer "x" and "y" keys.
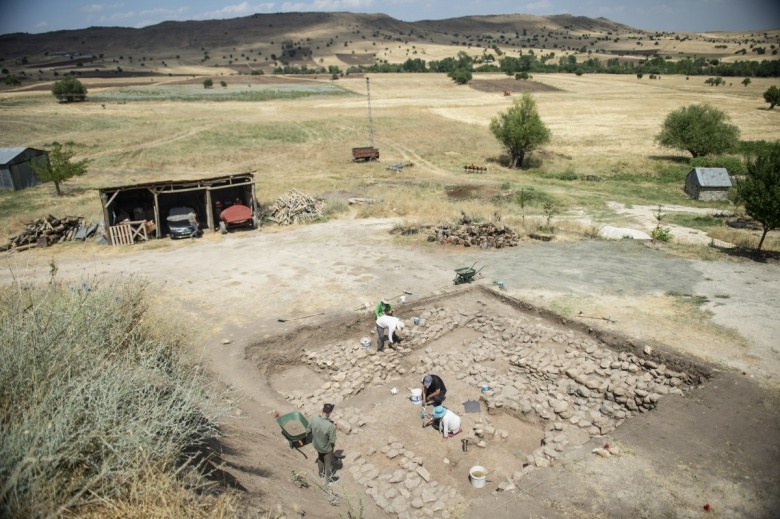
{"x": 42, "y": 26}
{"x": 236, "y": 10}
{"x": 96, "y": 8}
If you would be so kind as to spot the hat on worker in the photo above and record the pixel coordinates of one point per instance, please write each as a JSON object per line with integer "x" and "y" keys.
{"x": 384, "y": 301}
{"x": 327, "y": 408}
{"x": 439, "y": 411}
{"x": 427, "y": 380}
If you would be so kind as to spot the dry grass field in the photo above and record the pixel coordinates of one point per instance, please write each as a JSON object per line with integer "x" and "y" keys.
{"x": 602, "y": 125}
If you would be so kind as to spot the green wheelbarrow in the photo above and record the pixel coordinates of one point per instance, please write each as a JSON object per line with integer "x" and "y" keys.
{"x": 298, "y": 437}
{"x": 466, "y": 274}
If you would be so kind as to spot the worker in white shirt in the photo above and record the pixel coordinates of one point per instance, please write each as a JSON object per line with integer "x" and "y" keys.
{"x": 448, "y": 422}
{"x": 389, "y": 323}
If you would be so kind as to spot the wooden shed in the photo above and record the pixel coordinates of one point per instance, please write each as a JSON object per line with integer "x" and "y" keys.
{"x": 708, "y": 183}
{"x": 149, "y": 204}
{"x": 15, "y": 170}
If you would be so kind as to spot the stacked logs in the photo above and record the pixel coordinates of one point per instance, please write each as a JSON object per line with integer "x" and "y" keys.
{"x": 295, "y": 207}
{"x": 472, "y": 167}
{"x": 45, "y": 231}
{"x": 485, "y": 235}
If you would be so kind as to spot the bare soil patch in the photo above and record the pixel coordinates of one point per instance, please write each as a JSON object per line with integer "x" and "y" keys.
{"x": 510, "y": 85}
{"x": 357, "y": 59}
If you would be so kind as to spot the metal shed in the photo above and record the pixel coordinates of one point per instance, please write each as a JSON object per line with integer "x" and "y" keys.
{"x": 708, "y": 183}
{"x": 15, "y": 170}
{"x": 150, "y": 203}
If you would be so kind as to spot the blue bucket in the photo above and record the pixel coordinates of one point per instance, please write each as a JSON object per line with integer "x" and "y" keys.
{"x": 416, "y": 320}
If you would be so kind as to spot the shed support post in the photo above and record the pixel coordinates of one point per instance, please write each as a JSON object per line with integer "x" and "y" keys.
{"x": 106, "y": 221}
{"x": 157, "y": 221}
{"x": 209, "y": 212}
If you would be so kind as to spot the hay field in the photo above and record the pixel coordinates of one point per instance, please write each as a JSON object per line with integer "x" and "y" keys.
{"x": 601, "y": 124}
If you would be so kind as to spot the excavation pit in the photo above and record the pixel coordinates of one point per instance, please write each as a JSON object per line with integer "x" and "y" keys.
{"x": 553, "y": 385}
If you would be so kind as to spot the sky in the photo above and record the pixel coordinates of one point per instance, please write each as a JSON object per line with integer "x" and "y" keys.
{"x": 36, "y": 16}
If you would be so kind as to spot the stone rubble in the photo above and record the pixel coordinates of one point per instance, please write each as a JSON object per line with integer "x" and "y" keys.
{"x": 568, "y": 382}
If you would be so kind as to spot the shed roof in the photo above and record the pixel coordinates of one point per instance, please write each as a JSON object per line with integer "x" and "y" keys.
{"x": 712, "y": 177}
{"x": 9, "y": 154}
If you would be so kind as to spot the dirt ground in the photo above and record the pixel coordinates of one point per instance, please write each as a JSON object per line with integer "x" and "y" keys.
{"x": 717, "y": 444}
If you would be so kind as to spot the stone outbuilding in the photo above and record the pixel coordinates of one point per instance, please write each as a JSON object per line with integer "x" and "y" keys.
{"x": 16, "y": 171}
{"x": 708, "y": 183}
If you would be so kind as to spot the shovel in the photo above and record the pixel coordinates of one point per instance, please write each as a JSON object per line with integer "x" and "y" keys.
{"x": 608, "y": 319}
{"x": 301, "y": 317}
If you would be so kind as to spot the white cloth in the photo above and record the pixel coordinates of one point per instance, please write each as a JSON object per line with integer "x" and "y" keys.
{"x": 389, "y": 323}
{"x": 449, "y": 423}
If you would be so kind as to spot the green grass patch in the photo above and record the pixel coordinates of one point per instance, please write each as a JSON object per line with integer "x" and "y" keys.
{"x": 703, "y": 222}
{"x": 198, "y": 93}
{"x": 688, "y": 298}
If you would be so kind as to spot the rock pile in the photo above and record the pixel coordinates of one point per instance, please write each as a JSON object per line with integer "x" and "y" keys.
{"x": 484, "y": 235}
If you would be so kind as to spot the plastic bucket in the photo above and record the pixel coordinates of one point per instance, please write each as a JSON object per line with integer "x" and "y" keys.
{"x": 365, "y": 342}
{"x": 416, "y": 397}
{"x": 477, "y": 475}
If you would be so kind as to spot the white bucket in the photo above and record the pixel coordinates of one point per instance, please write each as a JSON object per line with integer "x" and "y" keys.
{"x": 416, "y": 397}
{"x": 477, "y": 475}
{"x": 365, "y": 342}
{"x": 403, "y": 299}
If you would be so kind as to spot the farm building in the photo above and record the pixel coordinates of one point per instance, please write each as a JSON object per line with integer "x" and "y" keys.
{"x": 15, "y": 170}
{"x": 708, "y": 183}
{"x": 137, "y": 209}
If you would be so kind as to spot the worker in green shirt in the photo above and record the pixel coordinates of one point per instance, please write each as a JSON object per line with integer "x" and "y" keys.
{"x": 383, "y": 307}
{"x": 323, "y": 438}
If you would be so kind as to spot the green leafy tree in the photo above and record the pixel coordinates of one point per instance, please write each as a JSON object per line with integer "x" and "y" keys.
{"x": 208, "y": 83}
{"x": 700, "y": 129}
{"x": 746, "y": 81}
{"x": 12, "y": 80}
{"x": 461, "y": 76}
{"x": 759, "y": 190}
{"x": 58, "y": 167}
{"x": 223, "y": 84}
{"x": 69, "y": 89}
{"x": 772, "y": 96}
{"x": 520, "y": 129}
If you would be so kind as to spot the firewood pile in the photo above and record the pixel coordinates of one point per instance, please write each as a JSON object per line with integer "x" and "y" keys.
{"x": 484, "y": 235}
{"x": 46, "y": 231}
{"x": 294, "y": 207}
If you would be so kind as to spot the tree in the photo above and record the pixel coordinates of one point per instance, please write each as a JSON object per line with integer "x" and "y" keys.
{"x": 57, "y": 167}
{"x": 772, "y": 96}
{"x": 208, "y": 83}
{"x": 746, "y": 81}
{"x": 700, "y": 129}
{"x": 12, "y": 80}
{"x": 460, "y": 75}
{"x": 759, "y": 189}
{"x": 520, "y": 129}
{"x": 69, "y": 89}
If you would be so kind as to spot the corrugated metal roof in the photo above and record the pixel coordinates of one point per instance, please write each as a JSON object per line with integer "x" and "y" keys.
{"x": 9, "y": 154}
{"x": 713, "y": 177}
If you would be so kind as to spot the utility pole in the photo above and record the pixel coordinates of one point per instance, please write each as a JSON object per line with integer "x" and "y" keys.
{"x": 370, "y": 119}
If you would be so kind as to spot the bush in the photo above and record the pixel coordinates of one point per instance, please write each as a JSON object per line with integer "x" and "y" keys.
{"x": 208, "y": 83}
{"x": 93, "y": 398}
{"x": 735, "y": 165}
{"x": 69, "y": 89}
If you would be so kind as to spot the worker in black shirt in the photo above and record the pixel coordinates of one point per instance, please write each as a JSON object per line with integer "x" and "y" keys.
{"x": 433, "y": 390}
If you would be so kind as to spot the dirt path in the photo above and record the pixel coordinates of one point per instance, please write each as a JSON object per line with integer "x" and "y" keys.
{"x": 239, "y": 285}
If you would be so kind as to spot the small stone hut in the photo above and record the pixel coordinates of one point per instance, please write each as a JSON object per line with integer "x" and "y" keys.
{"x": 708, "y": 183}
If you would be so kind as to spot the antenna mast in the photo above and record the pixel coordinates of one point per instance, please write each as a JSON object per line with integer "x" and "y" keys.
{"x": 370, "y": 119}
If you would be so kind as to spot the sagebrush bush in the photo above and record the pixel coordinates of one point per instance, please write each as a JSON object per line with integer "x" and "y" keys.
{"x": 93, "y": 394}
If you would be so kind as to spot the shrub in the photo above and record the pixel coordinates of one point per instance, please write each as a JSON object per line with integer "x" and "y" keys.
{"x": 93, "y": 398}
{"x": 735, "y": 165}
{"x": 208, "y": 83}
{"x": 69, "y": 89}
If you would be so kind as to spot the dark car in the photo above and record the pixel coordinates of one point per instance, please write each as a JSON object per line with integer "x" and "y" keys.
{"x": 183, "y": 223}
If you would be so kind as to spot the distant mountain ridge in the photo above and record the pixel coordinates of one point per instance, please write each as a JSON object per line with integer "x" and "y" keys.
{"x": 246, "y": 30}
